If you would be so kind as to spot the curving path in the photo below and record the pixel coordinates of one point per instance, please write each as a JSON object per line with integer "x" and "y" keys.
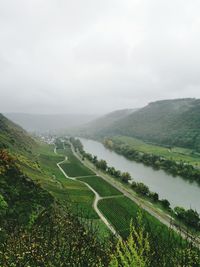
{"x": 96, "y": 199}
{"x": 162, "y": 217}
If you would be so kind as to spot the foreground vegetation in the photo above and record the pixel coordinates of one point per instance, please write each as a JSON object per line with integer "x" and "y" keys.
{"x": 36, "y": 230}
{"x": 120, "y": 211}
{"x": 41, "y": 225}
{"x": 136, "y": 250}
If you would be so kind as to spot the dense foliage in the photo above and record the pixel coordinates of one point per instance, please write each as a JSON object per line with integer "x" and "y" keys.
{"x": 35, "y": 231}
{"x": 136, "y": 250}
{"x": 14, "y": 137}
{"x": 190, "y": 218}
{"x": 167, "y": 122}
{"x": 21, "y": 198}
{"x": 157, "y": 162}
{"x": 55, "y": 239}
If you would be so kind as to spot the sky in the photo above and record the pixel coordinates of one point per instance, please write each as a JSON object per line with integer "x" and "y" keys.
{"x": 93, "y": 57}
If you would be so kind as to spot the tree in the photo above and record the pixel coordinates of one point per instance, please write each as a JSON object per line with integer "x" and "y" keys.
{"x": 108, "y": 143}
{"x": 154, "y": 196}
{"x": 101, "y": 164}
{"x": 180, "y": 212}
{"x": 192, "y": 218}
{"x": 142, "y": 189}
{"x": 3, "y": 205}
{"x": 126, "y": 177}
{"x": 111, "y": 171}
{"x": 165, "y": 203}
{"x": 117, "y": 174}
{"x": 94, "y": 160}
{"x": 135, "y": 251}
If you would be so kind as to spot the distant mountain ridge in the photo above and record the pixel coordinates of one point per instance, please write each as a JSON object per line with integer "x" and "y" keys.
{"x": 168, "y": 122}
{"x": 104, "y": 122}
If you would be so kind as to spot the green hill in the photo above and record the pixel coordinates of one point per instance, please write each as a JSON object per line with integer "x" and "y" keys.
{"x": 39, "y": 227}
{"x": 36, "y": 228}
{"x": 13, "y": 137}
{"x": 100, "y": 125}
{"x": 168, "y": 122}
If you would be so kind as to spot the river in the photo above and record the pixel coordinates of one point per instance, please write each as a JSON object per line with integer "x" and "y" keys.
{"x": 177, "y": 190}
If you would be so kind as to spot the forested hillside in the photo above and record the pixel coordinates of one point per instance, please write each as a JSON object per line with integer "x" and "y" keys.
{"x": 168, "y": 122}
{"x": 13, "y": 137}
{"x": 104, "y": 122}
{"x": 39, "y": 222}
{"x": 35, "y": 228}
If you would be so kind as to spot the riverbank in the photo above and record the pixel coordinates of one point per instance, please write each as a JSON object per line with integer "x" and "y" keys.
{"x": 159, "y": 214}
{"x": 178, "y": 191}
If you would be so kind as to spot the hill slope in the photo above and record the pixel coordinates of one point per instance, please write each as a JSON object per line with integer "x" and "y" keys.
{"x": 13, "y": 136}
{"x": 104, "y": 122}
{"x": 167, "y": 122}
{"x": 32, "y": 218}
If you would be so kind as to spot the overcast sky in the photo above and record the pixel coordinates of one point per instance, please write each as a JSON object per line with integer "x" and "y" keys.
{"x": 89, "y": 56}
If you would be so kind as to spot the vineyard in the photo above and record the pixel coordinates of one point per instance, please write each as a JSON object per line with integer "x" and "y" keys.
{"x": 102, "y": 187}
{"x": 120, "y": 211}
{"x": 73, "y": 167}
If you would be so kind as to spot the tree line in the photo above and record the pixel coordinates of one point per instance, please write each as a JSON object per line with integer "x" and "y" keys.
{"x": 188, "y": 217}
{"x": 170, "y": 166}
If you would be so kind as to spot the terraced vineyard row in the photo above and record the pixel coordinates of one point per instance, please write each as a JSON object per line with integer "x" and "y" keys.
{"x": 102, "y": 187}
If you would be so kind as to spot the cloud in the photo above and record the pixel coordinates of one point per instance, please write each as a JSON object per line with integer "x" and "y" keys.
{"x": 96, "y": 56}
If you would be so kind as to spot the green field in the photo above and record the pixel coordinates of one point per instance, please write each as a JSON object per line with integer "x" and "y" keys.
{"x": 120, "y": 211}
{"x": 72, "y": 194}
{"x": 102, "y": 187}
{"x": 73, "y": 167}
{"x": 174, "y": 153}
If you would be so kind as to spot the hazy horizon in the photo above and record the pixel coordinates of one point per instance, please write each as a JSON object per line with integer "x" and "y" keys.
{"x": 94, "y": 57}
{"x": 87, "y": 114}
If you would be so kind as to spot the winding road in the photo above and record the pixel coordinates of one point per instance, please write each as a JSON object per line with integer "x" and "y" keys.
{"x": 147, "y": 206}
{"x": 161, "y": 216}
{"x": 96, "y": 199}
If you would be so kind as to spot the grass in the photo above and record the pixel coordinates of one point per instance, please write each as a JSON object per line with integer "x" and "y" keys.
{"x": 72, "y": 194}
{"x": 102, "y": 187}
{"x": 175, "y": 153}
{"x": 73, "y": 167}
{"x": 120, "y": 211}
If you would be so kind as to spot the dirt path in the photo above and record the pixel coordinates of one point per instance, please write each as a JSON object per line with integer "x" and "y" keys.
{"x": 147, "y": 206}
{"x": 96, "y": 199}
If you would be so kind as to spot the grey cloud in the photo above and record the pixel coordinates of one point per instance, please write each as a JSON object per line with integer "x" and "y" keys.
{"x": 96, "y": 56}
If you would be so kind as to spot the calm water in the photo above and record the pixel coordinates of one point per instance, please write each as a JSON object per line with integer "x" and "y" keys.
{"x": 178, "y": 191}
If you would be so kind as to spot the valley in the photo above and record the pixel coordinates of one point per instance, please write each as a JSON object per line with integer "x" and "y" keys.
{"x": 90, "y": 182}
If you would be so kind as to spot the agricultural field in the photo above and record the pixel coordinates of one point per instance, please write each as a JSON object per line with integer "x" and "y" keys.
{"x": 72, "y": 194}
{"x": 174, "y": 153}
{"x": 102, "y": 187}
{"x": 120, "y": 211}
{"x": 73, "y": 167}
